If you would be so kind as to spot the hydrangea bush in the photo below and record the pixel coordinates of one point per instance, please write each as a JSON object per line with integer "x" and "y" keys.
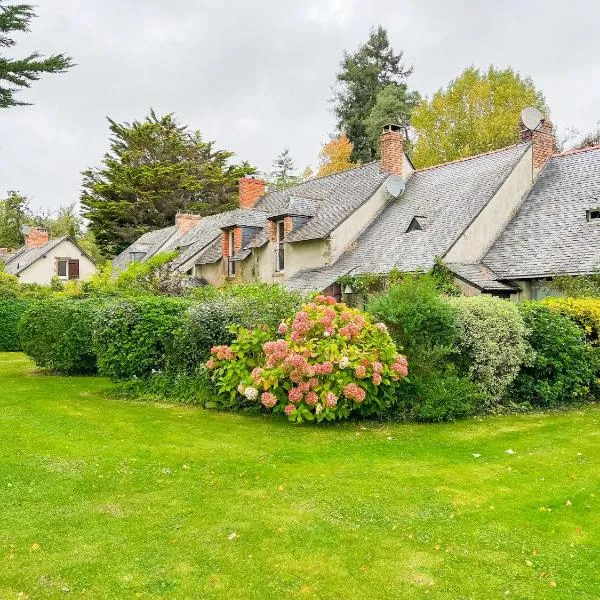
{"x": 329, "y": 362}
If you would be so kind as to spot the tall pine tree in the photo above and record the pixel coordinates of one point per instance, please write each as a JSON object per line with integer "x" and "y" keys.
{"x": 154, "y": 169}
{"x": 18, "y": 73}
{"x": 363, "y": 75}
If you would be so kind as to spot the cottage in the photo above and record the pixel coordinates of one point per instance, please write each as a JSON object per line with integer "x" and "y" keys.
{"x": 41, "y": 259}
{"x": 504, "y": 222}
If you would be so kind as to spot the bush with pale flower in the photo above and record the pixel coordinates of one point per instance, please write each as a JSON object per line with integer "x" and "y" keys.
{"x": 330, "y": 362}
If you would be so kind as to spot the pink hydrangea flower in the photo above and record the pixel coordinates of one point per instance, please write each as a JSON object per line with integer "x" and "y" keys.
{"x": 295, "y": 395}
{"x": 268, "y": 400}
{"x": 360, "y": 371}
{"x": 377, "y": 367}
{"x": 312, "y": 383}
{"x": 381, "y": 326}
{"x": 400, "y": 366}
{"x": 354, "y": 392}
{"x": 256, "y": 373}
{"x": 376, "y": 378}
{"x": 311, "y": 398}
{"x": 223, "y": 352}
{"x": 283, "y": 328}
{"x": 331, "y": 400}
{"x": 289, "y": 408}
{"x": 210, "y": 363}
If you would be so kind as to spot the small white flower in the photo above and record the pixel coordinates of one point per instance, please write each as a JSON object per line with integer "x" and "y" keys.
{"x": 251, "y": 393}
{"x": 476, "y": 455}
{"x": 344, "y": 362}
{"x": 326, "y": 333}
{"x": 319, "y": 408}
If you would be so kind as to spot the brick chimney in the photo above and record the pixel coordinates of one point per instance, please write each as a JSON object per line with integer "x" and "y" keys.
{"x": 392, "y": 149}
{"x": 36, "y": 237}
{"x": 251, "y": 189}
{"x": 186, "y": 221}
{"x": 543, "y": 141}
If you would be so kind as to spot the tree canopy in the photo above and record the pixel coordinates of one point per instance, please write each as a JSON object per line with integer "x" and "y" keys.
{"x": 14, "y": 213}
{"x": 335, "y": 156}
{"x": 477, "y": 112}
{"x": 363, "y": 75}
{"x": 18, "y": 73}
{"x": 155, "y": 168}
{"x": 284, "y": 173}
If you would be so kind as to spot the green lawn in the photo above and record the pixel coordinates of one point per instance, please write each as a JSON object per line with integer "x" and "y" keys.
{"x": 109, "y": 499}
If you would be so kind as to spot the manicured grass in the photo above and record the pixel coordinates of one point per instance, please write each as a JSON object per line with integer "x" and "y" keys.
{"x": 108, "y": 499}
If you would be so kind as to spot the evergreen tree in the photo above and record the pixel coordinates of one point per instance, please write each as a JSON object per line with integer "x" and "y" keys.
{"x": 154, "y": 169}
{"x": 19, "y": 73}
{"x": 394, "y": 104}
{"x": 363, "y": 75}
{"x": 284, "y": 173}
{"x": 14, "y": 213}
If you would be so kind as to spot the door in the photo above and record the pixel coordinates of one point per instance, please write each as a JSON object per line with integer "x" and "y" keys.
{"x": 73, "y": 269}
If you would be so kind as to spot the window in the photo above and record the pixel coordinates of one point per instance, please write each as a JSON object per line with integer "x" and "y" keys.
{"x": 280, "y": 258}
{"x": 593, "y": 214}
{"x": 231, "y": 263}
{"x": 67, "y": 268}
{"x": 61, "y": 268}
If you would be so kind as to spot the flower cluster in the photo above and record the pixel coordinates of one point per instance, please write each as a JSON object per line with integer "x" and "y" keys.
{"x": 328, "y": 362}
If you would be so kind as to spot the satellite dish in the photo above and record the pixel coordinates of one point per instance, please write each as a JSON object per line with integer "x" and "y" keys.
{"x": 395, "y": 185}
{"x": 532, "y": 118}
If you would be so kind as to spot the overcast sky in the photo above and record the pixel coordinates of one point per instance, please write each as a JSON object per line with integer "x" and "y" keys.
{"x": 256, "y": 76}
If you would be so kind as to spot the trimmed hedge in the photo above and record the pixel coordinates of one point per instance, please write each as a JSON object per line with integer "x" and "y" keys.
{"x": 11, "y": 312}
{"x": 563, "y": 368}
{"x": 57, "y": 334}
{"x": 133, "y": 337}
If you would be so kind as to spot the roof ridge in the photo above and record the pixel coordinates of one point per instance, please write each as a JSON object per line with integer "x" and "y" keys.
{"x": 576, "y": 151}
{"x": 465, "y": 158}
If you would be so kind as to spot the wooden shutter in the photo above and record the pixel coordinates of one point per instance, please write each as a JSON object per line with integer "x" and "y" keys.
{"x": 74, "y": 269}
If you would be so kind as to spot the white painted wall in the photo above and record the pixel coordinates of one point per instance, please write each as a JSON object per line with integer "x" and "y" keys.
{"x": 44, "y": 269}
{"x": 310, "y": 254}
{"x": 213, "y": 273}
{"x": 492, "y": 220}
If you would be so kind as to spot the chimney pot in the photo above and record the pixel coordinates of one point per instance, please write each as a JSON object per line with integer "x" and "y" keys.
{"x": 392, "y": 149}
{"x": 251, "y": 189}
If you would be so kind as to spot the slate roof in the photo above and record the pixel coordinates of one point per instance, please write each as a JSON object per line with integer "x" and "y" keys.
{"x": 334, "y": 198}
{"x": 295, "y": 206}
{"x": 244, "y": 217}
{"x": 149, "y": 244}
{"x": 480, "y": 276}
{"x": 24, "y": 257}
{"x": 450, "y": 195}
{"x": 550, "y": 234}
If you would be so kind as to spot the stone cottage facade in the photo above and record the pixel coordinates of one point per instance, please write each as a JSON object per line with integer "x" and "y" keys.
{"x": 504, "y": 222}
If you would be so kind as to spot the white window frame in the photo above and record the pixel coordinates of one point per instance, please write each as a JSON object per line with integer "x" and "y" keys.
{"x": 64, "y": 277}
{"x": 280, "y": 249}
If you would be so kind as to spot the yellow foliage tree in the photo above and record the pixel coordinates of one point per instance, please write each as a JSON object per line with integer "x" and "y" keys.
{"x": 477, "y": 112}
{"x": 335, "y": 156}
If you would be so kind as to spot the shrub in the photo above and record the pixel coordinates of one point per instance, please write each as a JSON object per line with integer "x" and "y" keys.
{"x": 9, "y": 285}
{"x": 418, "y": 318}
{"x": 133, "y": 336}
{"x": 563, "y": 367}
{"x": 57, "y": 334}
{"x": 11, "y": 312}
{"x": 208, "y": 324}
{"x": 441, "y": 396}
{"x": 584, "y": 311}
{"x": 331, "y": 361}
{"x": 425, "y": 326}
{"x": 492, "y": 344}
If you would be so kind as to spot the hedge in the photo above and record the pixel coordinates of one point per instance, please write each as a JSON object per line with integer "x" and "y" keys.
{"x": 57, "y": 334}
{"x": 584, "y": 311}
{"x": 133, "y": 337}
{"x": 11, "y": 312}
{"x": 562, "y": 369}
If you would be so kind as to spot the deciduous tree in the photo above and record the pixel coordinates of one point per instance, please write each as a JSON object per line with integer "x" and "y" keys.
{"x": 477, "y": 112}
{"x": 18, "y": 73}
{"x": 335, "y": 156}
{"x": 155, "y": 168}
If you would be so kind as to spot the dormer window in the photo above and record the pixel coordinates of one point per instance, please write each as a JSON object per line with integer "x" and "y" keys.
{"x": 593, "y": 214}
{"x": 137, "y": 256}
{"x": 417, "y": 224}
